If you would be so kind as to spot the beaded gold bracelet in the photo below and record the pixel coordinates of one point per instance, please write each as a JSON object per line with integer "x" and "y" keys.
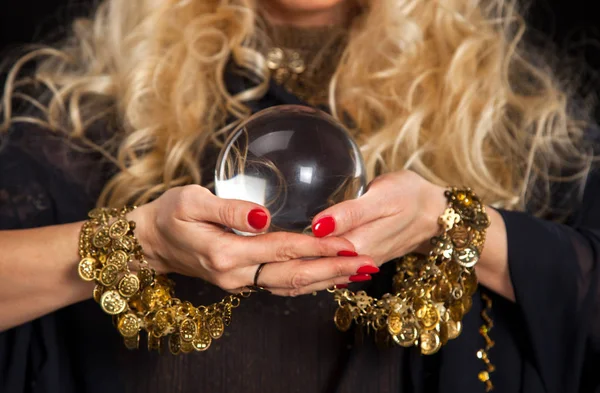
{"x": 432, "y": 292}
{"x": 143, "y": 301}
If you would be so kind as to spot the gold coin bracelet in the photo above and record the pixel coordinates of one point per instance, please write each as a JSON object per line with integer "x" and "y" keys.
{"x": 432, "y": 292}
{"x": 143, "y": 301}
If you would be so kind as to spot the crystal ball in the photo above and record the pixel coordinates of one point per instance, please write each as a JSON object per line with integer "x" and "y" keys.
{"x": 294, "y": 160}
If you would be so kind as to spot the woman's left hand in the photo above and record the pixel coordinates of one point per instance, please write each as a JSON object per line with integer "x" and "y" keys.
{"x": 397, "y": 215}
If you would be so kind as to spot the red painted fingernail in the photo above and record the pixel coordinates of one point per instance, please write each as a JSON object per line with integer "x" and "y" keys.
{"x": 347, "y": 253}
{"x": 257, "y": 218}
{"x": 341, "y": 286}
{"x": 367, "y": 269}
{"x": 360, "y": 277}
{"x": 324, "y": 226}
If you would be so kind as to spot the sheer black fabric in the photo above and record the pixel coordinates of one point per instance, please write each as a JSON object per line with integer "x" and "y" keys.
{"x": 549, "y": 341}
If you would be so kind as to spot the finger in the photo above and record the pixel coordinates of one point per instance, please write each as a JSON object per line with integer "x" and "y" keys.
{"x": 347, "y": 215}
{"x": 202, "y": 205}
{"x": 386, "y": 239}
{"x": 279, "y": 247}
{"x": 316, "y": 287}
{"x": 298, "y": 274}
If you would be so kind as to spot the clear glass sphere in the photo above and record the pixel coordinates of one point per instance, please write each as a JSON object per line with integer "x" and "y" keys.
{"x": 294, "y": 160}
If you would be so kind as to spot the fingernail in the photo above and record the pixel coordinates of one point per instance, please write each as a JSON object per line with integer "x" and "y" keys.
{"x": 257, "y": 218}
{"x": 360, "y": 277}
{"x": 324, "y": 226}
{"x": 347, "y": 253}
{"x": 367, "y": 269}
{"x": 342, "y": 286}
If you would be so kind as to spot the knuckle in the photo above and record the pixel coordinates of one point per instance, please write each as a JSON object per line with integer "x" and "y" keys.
{"x": 227, "y": 213}
{"x": 299, "y": 280}
{"x": 354, "y": 216}
{"x": 339, "y": 269}
{"x": 222, "y": 264}
{"x": 285, "y": 253}
{"x": 295, "y": 292}
{"x": 185, "y": 198}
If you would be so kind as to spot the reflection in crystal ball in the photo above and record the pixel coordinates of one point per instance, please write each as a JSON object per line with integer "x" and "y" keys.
{"x": 294, "y": 160}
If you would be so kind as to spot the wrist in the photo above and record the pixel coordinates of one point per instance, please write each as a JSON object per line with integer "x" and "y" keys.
{"x": 434, "y": 204}
{"x": 147, "y": 236}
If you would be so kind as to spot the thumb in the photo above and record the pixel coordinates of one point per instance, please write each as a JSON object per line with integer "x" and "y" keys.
{"x": 202, "y": 205}
{"x": 345, "y": 216}
{"x": 241, "y": 215}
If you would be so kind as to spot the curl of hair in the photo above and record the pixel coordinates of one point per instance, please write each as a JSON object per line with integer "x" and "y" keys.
{"x": 439, "y": 87}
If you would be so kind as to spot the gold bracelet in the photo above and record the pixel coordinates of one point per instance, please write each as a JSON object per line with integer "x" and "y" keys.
{"x": 432, "y": 292}
{"x": 143, "y": 300}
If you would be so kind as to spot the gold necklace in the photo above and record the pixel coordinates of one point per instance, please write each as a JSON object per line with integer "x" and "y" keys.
{"x": 304, "y": 60}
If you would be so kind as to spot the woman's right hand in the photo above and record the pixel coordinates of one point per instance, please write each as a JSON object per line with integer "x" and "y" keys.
{"x": 186, "y": 231}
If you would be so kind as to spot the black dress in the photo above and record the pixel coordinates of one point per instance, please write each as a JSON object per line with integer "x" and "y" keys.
{"x": 548, "y": 341}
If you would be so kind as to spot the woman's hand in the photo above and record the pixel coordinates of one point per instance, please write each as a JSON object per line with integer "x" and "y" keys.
{"x": 397, "y": 215}
{"x": 186, "y": 231}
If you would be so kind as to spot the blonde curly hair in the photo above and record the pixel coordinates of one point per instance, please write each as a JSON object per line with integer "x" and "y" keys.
{"x": 440, "y": 87}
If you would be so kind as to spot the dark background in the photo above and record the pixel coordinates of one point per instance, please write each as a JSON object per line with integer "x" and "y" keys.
{"x": 569, "y": 24}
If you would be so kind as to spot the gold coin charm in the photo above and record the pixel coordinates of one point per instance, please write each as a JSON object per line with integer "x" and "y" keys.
{"x": 441, "y": 292}
{"x": 460, "y": 236}
{"x": 188, "y": 330}
{"x": 467, "y": 257}
{"x": 394, "y": 323}
{"x": 407, "y": 336}
{"x": 174, "y": 344}
{"x": 430, "y": 342}
{"x": 187, "y": 347}
{"x": 343, "y": 318}
{"x": 96, "y": 213}
{"x": 153, "y": 343}
{"x": 128, "y": 325}
{"x": 456, "y": 311}
{"x": 146, "y": 277}
{"x": 216, "y": 327}
{"x": 112, "y": 303}
{"x": 162, "y": 322}
{"x": 109, "y": 275}
{"x": 202, "y": 340}
{"x": 454, "y": 329}
{"x": 125, "y": 243}
{"x": 153, "y": 297}
{"x": 118, "y": 258}
{"x": 467, "y": 303}
{"x": 101, "y": 238}
{"x": 428, "y": 316}
{"x": 118, "y": 228}
{"x": 443, "y": 333}
{"x": 481, "y": 221}
{"x": 470, "y": 284}
{"x": 443, "y": 246}
{"x": 132, "y": 342}
{"x": 98, "y": 291}
{"x": 87, "y": 269}
{"x": 129, "y": 285}
{"x": 227, "y": 316}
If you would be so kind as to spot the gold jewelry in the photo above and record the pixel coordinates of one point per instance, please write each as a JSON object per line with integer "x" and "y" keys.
{"x": 304, "y": 60}
{"x": 431, "y": 293}
{"x": 484, "y": 330}
{"x": 143, "y": 300}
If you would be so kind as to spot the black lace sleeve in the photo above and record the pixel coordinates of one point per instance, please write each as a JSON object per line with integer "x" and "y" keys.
{"x": 43, "y": 181}
{"x": 554, "y": 270}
